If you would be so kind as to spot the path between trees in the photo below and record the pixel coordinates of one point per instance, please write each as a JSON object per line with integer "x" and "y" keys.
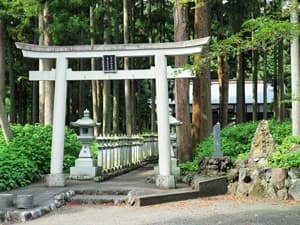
{"x": 221, "y": 210}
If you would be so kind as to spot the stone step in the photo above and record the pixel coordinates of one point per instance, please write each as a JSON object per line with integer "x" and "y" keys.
{"x": 98, "y": 199}
{"x": 101, "y": 192}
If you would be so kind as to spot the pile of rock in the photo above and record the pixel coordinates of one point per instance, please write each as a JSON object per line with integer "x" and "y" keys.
{"x": 210, "y": 166}
{"x": 253, "y": 176}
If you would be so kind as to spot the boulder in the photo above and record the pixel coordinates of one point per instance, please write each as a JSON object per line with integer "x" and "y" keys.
{"x": 232, "y": 187}
{"x": 243, "y": 189}
{"x": 282, "y": 194}
{"x": 233, "y": 175}
{"x": 278, "y": 178}
{"x": 294, "y": 190}
{"x": 294, "y": 173}
{"x": 270, "y": 192}
{"x": 257, "y": 189}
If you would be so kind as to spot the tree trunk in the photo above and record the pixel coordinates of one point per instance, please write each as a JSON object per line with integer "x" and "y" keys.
{"x": 153, "y": 105}
{"x": 127, "y": 91}
{"x": 295, "y": 72}
{"x": 46, "y": 88}
{"x": 41, "y": 83}
{"x": 182, "y": 87}
{"x": 223, "y": 74}
{"x": 116, "y": 83}
{"x": 280, "y": 83}
{"x": 265, "y": 97}
{"x": 3, "y": 116}
{"x": 12, "y": 80}
{"x": 201, "y": 112}
{"x": 107, "y": 117}
{"x": 275, "y": 80}
{"x": 240, "y": 89}
{"x": 49, "y": 85}
{"x": 223, "y": 70}
{"x": 94, "y": 82}
{"x": 254, "y": 83}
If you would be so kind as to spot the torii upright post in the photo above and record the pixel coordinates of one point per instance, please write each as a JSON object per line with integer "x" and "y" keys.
{"x": 56, "y": 177}
{"x": 165, "y": 179}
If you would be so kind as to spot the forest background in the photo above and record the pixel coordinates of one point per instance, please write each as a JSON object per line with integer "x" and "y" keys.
{"x": 252, "y": 40}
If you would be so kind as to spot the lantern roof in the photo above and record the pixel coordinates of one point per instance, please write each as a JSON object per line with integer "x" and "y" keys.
{"x": 85, "y": 121}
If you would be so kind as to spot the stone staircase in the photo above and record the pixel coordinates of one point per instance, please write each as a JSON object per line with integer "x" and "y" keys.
{"x": 99, "y": 197}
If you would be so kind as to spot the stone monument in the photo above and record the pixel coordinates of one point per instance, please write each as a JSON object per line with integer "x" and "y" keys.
{"x": 262, "y": 146}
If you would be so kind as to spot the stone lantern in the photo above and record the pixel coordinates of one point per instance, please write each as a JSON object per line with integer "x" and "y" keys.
{"x": 174, "y": 155}
{"x": 175, "y": 170}
{"x": 85, "y": 165}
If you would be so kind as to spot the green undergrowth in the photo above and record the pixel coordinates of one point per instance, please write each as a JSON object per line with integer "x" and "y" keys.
{"x": 236, "y": 143}
{"x": 28, "y": 154}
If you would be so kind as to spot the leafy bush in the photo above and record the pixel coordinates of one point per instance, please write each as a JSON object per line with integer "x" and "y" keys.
{"x": 280, "y": 130}
{"x": 285, "y": 158}
{"x": 16, "y": 170}
{"x": 236, "y": 142}
{"x": 28, "y": 154}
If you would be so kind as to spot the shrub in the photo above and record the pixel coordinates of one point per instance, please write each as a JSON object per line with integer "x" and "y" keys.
{"x": 28, "y": 154}
{"x": 283, "y": 157}
{"x": 16, "y": 170}
{"x": 236, "y": 142}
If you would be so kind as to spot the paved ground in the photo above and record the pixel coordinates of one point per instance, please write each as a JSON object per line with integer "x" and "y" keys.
{"x": 201, "y": 211}
{"x": 219, "y": 210}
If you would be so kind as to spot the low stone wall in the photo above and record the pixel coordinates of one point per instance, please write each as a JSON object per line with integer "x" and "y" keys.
{"x": 211, "y": 166}
{"x": 274, "y": 183}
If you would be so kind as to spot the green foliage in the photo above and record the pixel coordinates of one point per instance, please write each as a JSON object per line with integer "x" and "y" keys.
{"x": 189, "y": 166}
{"x": 16, "y": 170}
{"x": 280, "y": 130}
{"x": 236, "y": 143}
{"x": 28, "y": 154}
{"x": 283, "y": 157}
{"x": 236, "y": 139}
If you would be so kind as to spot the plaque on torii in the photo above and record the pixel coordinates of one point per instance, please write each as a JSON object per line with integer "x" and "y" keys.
{"x": 160, "y": 72}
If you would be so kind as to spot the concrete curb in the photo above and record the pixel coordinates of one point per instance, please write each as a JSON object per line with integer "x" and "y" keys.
{"x": 203, "y": 187}
{"x": 12, "y": 215}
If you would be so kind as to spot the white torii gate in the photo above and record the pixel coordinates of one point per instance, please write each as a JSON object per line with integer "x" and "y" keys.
{"x": 61, "y": 74}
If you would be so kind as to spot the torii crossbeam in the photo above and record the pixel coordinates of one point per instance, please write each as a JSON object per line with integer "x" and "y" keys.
{"x": 62, "y": 74}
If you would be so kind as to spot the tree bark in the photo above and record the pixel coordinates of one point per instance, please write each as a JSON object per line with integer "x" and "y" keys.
{"x": 265, "y": 97}
{"x": 223, "y": 70}
{"x": 116, "y": 83}
{"x": 12, "y": 80}
{"x": 127, "y": 88}
{"x": 201, "y": 111}
{"x": 182, "y": 87}
{"x": 3, "y": 116}
{"x": 41, "y": 83}
{"x": 46, "y": 88}
{"x": 295, "y": 72}
{"x": 223, "y": 74}
{"x": 254, "y": 83}
{"x": 49, "y": 85}
{"x": 280, "y": 83}
{"x": 94, "y": 82}
{"x": 240, "y": 89}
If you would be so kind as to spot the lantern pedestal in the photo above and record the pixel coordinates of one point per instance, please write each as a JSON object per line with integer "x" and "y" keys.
{"x": 85, "y": 168}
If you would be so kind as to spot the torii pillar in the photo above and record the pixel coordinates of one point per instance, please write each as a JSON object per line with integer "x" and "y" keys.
{"x": 62, "y": 74}
{"x": 165, "y": 179}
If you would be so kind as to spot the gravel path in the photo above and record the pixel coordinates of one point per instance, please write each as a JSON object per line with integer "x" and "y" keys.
{"x": 219, "y": 210}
